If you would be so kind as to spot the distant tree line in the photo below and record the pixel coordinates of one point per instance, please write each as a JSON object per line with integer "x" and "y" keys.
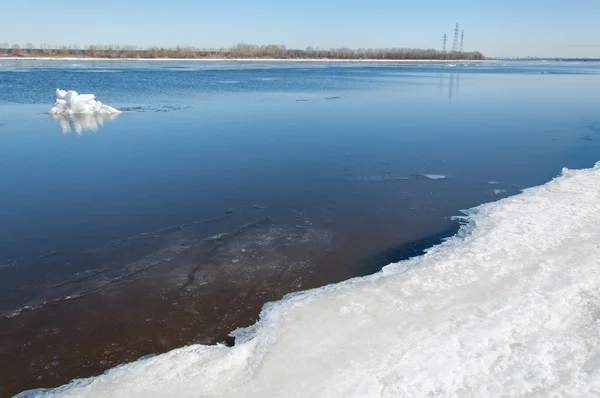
{"x": 241, "y": 50}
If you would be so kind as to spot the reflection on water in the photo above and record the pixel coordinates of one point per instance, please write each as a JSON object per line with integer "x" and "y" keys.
{"x": 81, "y": 123}
{"x": 453, "y": 84}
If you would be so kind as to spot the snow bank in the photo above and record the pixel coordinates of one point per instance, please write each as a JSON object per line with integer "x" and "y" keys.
{"x": 508, "y": 307}
{"x": 71, "y": 103}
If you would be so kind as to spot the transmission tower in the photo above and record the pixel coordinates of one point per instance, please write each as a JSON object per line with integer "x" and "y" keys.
{"x": 455, "y": 42}
{"x": 462, "y": 40}
{"x": 444, "y": 40}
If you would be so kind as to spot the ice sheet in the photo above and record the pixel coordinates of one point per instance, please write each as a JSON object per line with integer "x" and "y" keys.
{"x": 508, "y": 307}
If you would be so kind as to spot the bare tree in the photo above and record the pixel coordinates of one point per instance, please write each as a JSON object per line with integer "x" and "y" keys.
{"x": 92, "y": 50}
{"x": 244, "y": 50}
{"x": 45, "y": 48}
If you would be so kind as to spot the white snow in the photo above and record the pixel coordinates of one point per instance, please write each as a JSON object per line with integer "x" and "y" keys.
{"x": 71, "y": 103}
{"x": 508, "y": 307}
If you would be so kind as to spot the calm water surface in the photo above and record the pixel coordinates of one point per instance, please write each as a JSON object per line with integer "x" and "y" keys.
{"x": 329, "y": 169}
{"x": 202, "y": 136}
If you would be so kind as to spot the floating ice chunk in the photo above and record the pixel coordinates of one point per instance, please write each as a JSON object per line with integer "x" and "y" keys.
{"x": 499, "y": 191}
{"x": 435, "y": 176}
{"x": 72, "y": 103}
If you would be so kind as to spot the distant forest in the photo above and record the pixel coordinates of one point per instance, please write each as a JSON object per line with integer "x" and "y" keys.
{"x": 235, "y": 52}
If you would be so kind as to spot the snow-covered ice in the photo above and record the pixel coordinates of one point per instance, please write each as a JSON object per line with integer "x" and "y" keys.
{"x": 508, "y": 307}
{"x": 72, "y": 103}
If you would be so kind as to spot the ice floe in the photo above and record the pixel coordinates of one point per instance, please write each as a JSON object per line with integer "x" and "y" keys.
{"x": 434, "y": 176}
{"x": 72, "y": 103}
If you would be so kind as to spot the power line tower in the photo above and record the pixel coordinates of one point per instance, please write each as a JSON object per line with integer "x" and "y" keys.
{"x": 455, "y": 42}
{"x": 444, "y": 40}
{"x": 462, "y": 40}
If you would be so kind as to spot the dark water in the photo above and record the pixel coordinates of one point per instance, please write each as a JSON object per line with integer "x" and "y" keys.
{"x": 228, "y": 184}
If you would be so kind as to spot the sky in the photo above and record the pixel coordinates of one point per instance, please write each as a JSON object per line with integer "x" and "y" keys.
{"x": 501, "y": 28}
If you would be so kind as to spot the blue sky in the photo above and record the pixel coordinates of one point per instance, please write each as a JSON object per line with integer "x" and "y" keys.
{"x": 499, "y": 28}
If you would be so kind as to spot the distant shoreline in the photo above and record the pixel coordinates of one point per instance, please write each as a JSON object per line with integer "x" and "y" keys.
{"x": 207, "y": 59}
{"x": 247, "y": 59}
